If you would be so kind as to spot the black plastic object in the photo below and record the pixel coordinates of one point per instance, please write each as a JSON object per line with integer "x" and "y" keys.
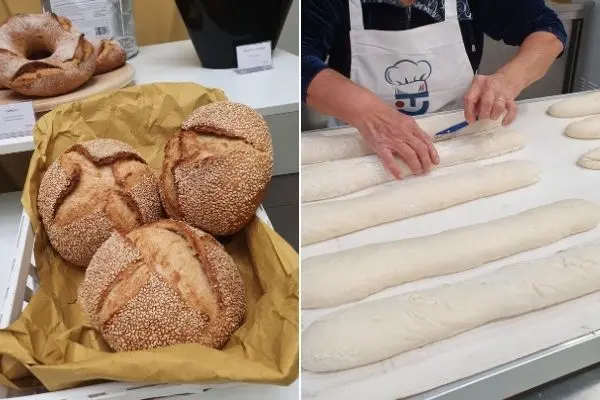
{"x": 217, "y": 27}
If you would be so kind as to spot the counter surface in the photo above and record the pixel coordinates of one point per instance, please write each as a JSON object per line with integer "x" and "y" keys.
{"x": 494, "y": 344}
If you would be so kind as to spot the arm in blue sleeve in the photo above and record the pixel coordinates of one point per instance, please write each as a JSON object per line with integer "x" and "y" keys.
{"x": 513, "y": 20}
{"x": 320, "y": 20}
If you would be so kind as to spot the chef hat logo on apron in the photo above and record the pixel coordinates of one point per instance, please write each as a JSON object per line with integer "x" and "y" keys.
{"x": 409, "y": 80}
{"x": 418, "y": 71}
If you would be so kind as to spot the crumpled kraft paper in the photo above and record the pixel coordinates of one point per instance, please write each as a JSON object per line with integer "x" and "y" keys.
{"x": 52, "y": 340}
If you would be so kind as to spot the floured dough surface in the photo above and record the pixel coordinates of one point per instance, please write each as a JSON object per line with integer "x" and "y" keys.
{"x": 339, "y": 177}
{"x": 337, "y": 278}
{"x": 376, "y": 330}
{"x": 348, "y": 142}
{"x": 576, "y": 106}
{"x": 327, "y": 220}
{"x": 587, "y": 128}
{"x": 591, "y": 159}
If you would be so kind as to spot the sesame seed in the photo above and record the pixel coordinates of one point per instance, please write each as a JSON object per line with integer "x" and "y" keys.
{"x": 217, "y": 168}
{"x": 162, "y": 284}
{"x": 92, "y": 190}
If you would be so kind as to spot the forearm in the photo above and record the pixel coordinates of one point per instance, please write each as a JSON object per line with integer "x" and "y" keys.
{"x": 534, "y": 58}
{"x": 333, "y": 94}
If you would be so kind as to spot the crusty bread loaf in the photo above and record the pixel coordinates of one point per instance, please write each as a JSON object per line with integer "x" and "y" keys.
{"x": 216, "y": 169}
{"x": 93, "y": 189}
{"x": 109, "y": 56}
{"x": 163, "y": 284}
{"x": 40, "y": 55}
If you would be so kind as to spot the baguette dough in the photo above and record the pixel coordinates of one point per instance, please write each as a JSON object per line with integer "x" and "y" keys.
{"x": 578, "y": 106}
{"x": 376, "y": 330}
{"x": 591, "y": 159}
{"x": 348, "y": 142}
{"x": 588, "y": 128}
{"x": 338, "y": 278}
{"x": 336, "y": 178}
{"x": 326, "y": 220}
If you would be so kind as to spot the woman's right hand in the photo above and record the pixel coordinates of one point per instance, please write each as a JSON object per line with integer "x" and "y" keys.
{"x": 391, "y": 133}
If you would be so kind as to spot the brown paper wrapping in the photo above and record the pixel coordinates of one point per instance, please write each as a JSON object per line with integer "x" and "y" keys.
{"x": 53, "y": 342}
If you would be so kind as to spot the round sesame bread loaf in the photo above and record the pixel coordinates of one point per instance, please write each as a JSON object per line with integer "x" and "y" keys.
{"x": 163, "y": 284}
{"x": 217, "y": 167}
{"x": 93, "y": 189}
{"x": 41, "y": 55}
{"x": 109, "y": 56}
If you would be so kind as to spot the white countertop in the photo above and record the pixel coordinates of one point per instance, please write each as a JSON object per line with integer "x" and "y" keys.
{"x": 274, "y": 91}
{"x": 491, "y": 345}
{"x": 270, "y": 92}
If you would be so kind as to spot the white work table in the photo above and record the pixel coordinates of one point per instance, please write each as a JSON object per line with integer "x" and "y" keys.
{"x": 506, "y": 357}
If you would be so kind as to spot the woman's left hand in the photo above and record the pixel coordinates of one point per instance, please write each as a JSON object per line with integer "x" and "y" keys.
{"x": 491, "y": 96}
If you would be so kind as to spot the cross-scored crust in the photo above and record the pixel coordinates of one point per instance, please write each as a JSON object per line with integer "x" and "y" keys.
{"x": 93, "y": 189}
{"x": 139, "y": 294}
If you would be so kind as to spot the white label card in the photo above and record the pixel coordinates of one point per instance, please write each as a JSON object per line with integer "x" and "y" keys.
{"x": 256, "y": 56}
{"x": 16, "y": 120}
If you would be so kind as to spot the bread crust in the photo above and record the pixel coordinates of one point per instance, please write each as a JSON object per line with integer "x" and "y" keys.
{"x": 109, "y": 56}
{"x": 217, "y": 168}
{"x": 71, "y": 62}
{"x": 91, "y": 190}
{"x": 163, "y": 284}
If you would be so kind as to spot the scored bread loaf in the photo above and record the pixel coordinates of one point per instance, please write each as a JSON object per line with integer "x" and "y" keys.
{"x": 93, "y": 189}
{"x": 109, "y": 56}
{"x": 217, "y": 167}
{"x": 163, "y": 284}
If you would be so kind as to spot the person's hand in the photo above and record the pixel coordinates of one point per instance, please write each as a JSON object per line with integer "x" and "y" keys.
{"x": 391, "y": 133}
{"x": 490, "y": 96}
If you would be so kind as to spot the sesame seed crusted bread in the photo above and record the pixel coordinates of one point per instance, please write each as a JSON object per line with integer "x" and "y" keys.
{"x": 163, "y": 284}
{"x": 109, "y": 56}
{"x": 40, "y": 55}
{"x": 90, "y": 191}
{"x": 216, "y": 169}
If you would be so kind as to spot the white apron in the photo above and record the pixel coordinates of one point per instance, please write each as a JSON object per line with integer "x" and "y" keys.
{"x": 419, "y": 70}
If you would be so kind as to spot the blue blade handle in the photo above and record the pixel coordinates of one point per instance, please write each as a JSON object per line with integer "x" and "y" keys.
{"x": 453, "y": 128}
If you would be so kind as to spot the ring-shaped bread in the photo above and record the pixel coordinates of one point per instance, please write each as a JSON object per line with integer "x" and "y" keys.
{"x": 40, "y": 55}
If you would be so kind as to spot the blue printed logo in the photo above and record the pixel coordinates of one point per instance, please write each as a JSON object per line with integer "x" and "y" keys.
{"x": 410, "y": 85}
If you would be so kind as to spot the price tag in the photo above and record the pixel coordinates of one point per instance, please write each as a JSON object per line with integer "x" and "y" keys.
{"x": 254, "y": 57}
{"x": 16, "y": 120}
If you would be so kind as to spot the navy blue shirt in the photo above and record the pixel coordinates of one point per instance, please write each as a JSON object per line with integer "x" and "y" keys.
{"x": 326, "y": 26}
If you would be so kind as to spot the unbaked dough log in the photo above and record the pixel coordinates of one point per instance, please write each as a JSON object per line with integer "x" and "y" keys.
{"x": 338, "y": 278}
{"x": 591, "y": 159}
{"x": 578, "y": 106}
{"x": 326, "y": 220}
{"x": 348, "y": 143}
{"x": 588, "y": 128}
{"x": 376, "y": 330}
{"x": 336, "y": 178}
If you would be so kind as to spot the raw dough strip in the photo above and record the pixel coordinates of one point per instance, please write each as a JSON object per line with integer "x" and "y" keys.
{"x": 376, "y": 330}
{"x": 362, "y": 271}
{"x": 590, "y": 160}
{"x": 587, "y": 128}
{"x": 578, "y": 106}
{"x": 348, "y": 142}
{"x": 326, "y": 220}
{"x": 337, "y": 178}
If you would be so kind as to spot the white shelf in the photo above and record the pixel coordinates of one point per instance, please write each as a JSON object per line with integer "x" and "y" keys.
{"x": 270, "y": 92}
{"x": 274, "y": 91}
{"x": 10, "y": 215}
